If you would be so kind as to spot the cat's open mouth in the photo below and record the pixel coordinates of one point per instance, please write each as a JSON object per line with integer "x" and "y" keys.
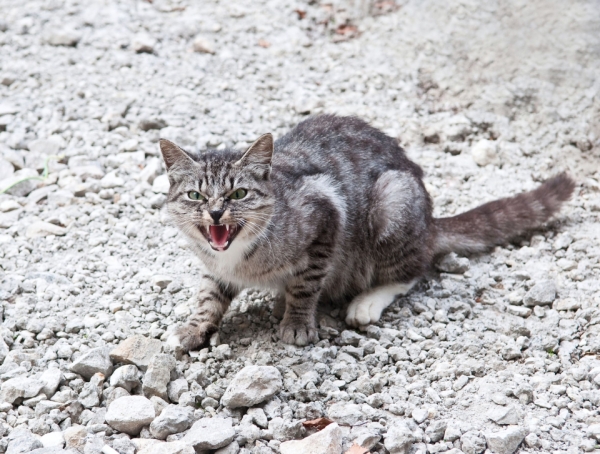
{"x": 220, "y": 236}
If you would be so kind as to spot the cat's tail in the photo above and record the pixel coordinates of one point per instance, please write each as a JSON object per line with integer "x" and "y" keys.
{"x": 497, "y": 222}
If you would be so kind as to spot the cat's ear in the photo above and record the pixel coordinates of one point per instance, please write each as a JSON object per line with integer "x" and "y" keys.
{"x": 259, "y": 154}
{"x": 171, "y": 153}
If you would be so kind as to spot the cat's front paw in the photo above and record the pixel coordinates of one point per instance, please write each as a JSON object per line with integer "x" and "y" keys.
{"x": 298, "y": 333}
{"x": 189, "y": 337}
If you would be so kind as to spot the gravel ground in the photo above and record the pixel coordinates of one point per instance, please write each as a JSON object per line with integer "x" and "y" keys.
{"x": 498, "y": 352}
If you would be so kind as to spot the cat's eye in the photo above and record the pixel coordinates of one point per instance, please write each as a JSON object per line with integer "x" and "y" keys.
{"x": 195, "y": 195}
{"x": 238, "y": 194}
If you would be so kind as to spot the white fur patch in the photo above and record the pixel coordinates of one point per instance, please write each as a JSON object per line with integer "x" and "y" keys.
{"x": 225, "y": 262}
{"x": 324, "y": 185}
{"x": 367, "y": 307}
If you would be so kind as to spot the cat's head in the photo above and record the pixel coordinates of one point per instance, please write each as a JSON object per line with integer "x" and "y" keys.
{"x": 220, "y": 196}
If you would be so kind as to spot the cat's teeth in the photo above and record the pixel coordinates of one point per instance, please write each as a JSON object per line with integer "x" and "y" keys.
{"x": 227, "y": 227}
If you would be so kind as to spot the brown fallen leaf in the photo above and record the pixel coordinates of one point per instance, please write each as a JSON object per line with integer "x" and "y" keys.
{"x": 346, "y": 29}
{"x": 319, "y": 423}
{"x": 301, "y": 14}
{"x": 356, "y": 449}
{"x": 264, "y": 43}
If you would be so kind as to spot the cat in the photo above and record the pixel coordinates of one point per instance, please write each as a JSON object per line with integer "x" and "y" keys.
{"x": 332, "y": 211}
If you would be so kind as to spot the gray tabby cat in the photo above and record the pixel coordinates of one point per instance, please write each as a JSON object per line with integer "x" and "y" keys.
{"x": 333, "y": 211}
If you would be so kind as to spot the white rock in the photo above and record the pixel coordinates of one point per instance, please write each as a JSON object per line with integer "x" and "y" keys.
{"x": 161, "y": 280}
{"x": 173, "y": 447}
{"x": 504, "y": 415}
{"x": 326, "y": 441}
{"x": 18, "y": 387}
{"x": 484, "y": 152}
{"x": 251, "y": 386}
{"x": 130, "y": 413}
{"x": 63, "y": 37}
{"x": 519, "y": 310}
{"x": 346, "y": 414}
{"x": 51, "y": 379}
{"x": 6, "y": 169}
{"x": 137, "y": 350}
{"x": 111, "y": 180}
{"x": 143, "y": 43}
{"x": 203, "y": 45}
{"x": 151, "y": 171}
{"x": 41, "y": 228}
{"x": 44, "y": 147}
{"x": 158, "y": 375}
{"x": 176, "y": 388}
{"x": 161, "y": 184}
{"x": 91, "y": 362}
{"x": 541, "y": 294}
{"x": 566, "y": 304}
{"x": 14, "y": 186}
{"x": 210, "y": 433}
{"x": 172, "y": 420}
{"x": 506, "y": 441}
{"x": 53, "y": 439}
{"x": 129, "y": 145}
{"x": 399, "y": 438}
{"x": 126, "y": 377}
{"x": 419, "y": 415}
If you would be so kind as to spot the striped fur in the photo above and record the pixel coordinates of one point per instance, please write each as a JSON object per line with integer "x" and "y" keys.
{"x": 334, "y": 211}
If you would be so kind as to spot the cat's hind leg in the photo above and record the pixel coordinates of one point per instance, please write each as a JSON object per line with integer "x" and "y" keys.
{"x": 367, "y": 307}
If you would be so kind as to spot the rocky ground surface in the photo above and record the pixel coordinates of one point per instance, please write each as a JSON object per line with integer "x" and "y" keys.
{"x": 497, "y": 353}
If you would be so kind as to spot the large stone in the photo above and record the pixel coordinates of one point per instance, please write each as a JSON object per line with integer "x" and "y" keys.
{"x": 285, "y": 429}
{"x": 92, "y": 391}
{"x": 20, "y": 387}
{"x": 51, "y": 379}
{"x": 504, "y": 415}
{"x": 137, "y": 350}
{"x": 75, "y": 437}
{"x": 346, "y": 414}
{"x": 484, "y": 152}
{"x": 172, "y": 420}
{"x": 161, "y": 184}
{"x": 158, "y": 375}
{"x": 126, "y": 377}
{"x": 91, "y": 362}
{"x": 210, "y": 433}
{"x": 472, "y": 442}
{"x": 129, "y": 414}
{"x": 176, "y": 388}
{"x": 22, "y": 441}
{"x": 436, "y": 430}
{"x": 399, "y": 438}
{"x": 143, "y": 43}
{"x": 326, "y": 441}
{"x": 251, "y": 386}
{"x": 541, "y": 294}
{"x": 20, "y": 183}
{"x": 506, "y": 441}
{"x": 203, "y": 45}
{"x": 41, "y": 228}
{"x": 63, "y": 37}
{"x": 53, "y": 439}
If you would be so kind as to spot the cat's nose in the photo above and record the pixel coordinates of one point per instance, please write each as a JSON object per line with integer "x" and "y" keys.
{"x": 216, "y": 215}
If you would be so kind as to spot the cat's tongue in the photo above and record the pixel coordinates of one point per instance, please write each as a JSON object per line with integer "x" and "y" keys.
{"x": 219, "y": 235}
